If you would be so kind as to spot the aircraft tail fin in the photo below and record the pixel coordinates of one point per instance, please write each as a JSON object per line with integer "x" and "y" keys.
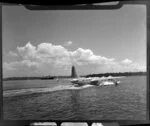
{"x": 73, "y": 72}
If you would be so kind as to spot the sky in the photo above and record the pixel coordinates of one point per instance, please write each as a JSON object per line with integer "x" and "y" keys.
{"x": 41, "y": 43}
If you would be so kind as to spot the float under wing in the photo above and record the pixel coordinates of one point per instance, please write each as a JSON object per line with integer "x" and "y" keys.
{"x": 97, "y": 81}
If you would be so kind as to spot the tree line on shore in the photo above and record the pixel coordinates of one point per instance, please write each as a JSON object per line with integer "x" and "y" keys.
{"x": 117, "y": 74}
{"x": 89, "y": 75}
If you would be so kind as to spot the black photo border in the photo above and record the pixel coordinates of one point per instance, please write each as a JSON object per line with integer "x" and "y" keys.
{"x": 84, "y": 7}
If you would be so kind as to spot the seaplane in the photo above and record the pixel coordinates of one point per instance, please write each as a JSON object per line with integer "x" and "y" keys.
{"x": 97, "y": 81}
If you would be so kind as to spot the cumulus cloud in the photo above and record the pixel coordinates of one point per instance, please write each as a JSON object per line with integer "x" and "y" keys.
{"x": 86, "y": 56}
{"x": 126, "y": 61}
{"x": 27, "y": 51}
{"x": 20, "y": 64}
{"x": 68, "y": 43}
{"x": 49, "y": 55}
{"x": 58, "y": 55}
{"x": 12, "y": 54}
{"x": 129, "y": 65}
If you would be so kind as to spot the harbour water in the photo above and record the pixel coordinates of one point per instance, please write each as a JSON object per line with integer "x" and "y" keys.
{"x": 58, "y": 100}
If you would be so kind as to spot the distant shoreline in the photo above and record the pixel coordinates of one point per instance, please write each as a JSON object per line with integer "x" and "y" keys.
{"x": 89, "y": 75}
{"x": 118, "y": 74}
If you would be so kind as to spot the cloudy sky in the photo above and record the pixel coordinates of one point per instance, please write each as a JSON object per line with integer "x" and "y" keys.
{"x": 37, "y": 43}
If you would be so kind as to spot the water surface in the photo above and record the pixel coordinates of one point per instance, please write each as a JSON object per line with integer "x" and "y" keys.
{"x": 57, "y": 100}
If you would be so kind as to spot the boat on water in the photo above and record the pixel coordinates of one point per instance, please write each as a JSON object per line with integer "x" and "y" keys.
{"x": 97, "y": 81}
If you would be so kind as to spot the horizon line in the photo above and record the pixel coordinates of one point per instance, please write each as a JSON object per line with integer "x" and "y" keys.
{"x": 42, "y": 76}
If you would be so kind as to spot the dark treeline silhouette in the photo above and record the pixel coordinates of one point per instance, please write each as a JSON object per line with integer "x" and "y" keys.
{"x": 90, "y": 75}
{"x": 117, "y": 74}
{"x": 29, "y": 78}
